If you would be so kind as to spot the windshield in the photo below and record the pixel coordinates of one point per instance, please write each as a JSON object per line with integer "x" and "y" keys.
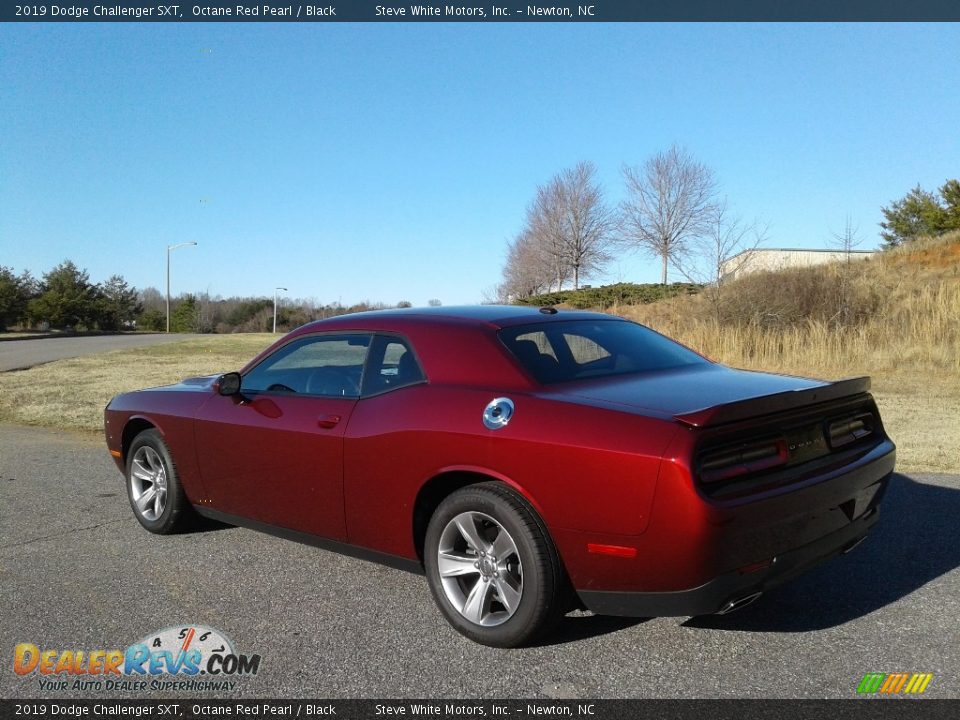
{"x": 563, "y": 351}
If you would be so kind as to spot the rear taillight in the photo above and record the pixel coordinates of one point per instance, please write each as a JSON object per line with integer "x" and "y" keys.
{"x": 844, "y": 431}
{"x": 744, "y": 459}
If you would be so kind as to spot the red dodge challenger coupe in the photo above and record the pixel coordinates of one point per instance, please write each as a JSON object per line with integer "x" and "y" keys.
{"x": 526, "y": 460}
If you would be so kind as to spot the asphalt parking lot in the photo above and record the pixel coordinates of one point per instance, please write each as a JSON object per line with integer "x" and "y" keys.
{"x": 78, "y": 572}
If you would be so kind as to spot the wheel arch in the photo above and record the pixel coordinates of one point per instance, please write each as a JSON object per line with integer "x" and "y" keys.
{"x": 133, "y": 427}
{"x": 449, "y": 480}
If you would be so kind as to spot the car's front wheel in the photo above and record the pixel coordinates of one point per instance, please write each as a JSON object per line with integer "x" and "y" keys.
{"x": 492, "y": 567}
{"x": 153, "y": 486}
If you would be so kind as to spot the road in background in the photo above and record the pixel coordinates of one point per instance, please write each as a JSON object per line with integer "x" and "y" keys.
{"x": 78, "y": 572}
{"x": 21, "y": 354}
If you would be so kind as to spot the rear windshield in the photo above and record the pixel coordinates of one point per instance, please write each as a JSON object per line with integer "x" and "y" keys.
{"x": 579, "y": 349}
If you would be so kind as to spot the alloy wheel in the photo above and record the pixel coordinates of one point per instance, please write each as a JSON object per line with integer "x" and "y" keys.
{"x": 148, "y": 483}
{"x": 480, "y": 569}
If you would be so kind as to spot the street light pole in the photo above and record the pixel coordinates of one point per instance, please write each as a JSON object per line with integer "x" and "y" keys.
{"x": 169, "y": 248}
{"x": 276, "y": 292}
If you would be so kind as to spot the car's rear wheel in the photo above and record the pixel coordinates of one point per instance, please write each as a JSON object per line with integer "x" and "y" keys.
{"x": 492, "y": 567}
{"x": 153, "y": 486}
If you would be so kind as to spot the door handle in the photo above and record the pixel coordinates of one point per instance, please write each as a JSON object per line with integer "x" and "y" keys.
{"x": 328, "y": 421}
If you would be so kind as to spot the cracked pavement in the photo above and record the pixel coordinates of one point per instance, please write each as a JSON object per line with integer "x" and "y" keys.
{"x": 78, "y": 572}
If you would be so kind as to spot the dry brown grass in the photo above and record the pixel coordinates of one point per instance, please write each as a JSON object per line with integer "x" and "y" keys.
{"x": 72, "y": 393}
{"x": 921, "y": 412}
{"x": 921, "y": 409}
{"x": 896, "y": 312}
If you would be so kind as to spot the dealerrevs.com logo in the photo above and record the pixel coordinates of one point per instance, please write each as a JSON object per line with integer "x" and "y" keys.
{"x": 894, "y": 683}
{"x": 191, "y": 658}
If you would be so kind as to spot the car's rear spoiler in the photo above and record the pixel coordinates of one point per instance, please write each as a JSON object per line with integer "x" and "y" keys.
{"x": 767, "y": 404}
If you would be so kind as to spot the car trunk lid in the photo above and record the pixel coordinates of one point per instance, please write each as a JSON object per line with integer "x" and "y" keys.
{"x": 706, "y": 394}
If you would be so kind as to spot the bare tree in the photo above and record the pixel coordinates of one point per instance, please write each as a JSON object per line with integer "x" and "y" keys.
{"x": 529, "y": 269}
{"x": 730, "y": 243}
{"x": 670, "y": 203}
{"x": 726, "y": 248}
{"x": 544, "y": 232}
{"x": 845, "y": 241}
{"x": 567, "y": 235}
{"x": 152, "y": 299}
{"x": 572, "y": 223}
{"x": 546, "y": 227}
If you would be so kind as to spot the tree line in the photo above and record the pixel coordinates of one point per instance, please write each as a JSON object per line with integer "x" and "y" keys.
{"x": 672, "y": 211}
{"x": 203, "y": 313}
{"x": 65, "y": 299}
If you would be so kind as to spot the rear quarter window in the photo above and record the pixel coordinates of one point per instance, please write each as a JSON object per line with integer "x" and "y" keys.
{"x": 580, "y": 349}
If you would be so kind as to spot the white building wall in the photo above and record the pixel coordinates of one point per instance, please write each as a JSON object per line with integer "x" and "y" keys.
{"x": 762, "y": 260}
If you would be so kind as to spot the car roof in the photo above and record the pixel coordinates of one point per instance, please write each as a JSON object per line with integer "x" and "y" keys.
{"x": 491, "y": 315}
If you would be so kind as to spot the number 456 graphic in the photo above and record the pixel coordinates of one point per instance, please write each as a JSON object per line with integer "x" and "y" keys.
{"x": 894, "y": 683}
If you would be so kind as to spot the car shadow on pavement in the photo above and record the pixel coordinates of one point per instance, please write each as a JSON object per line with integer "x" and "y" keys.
{"x": 914, "y": 542}
{"x": 203, "y": 524}
{"x": 572, "y": 628}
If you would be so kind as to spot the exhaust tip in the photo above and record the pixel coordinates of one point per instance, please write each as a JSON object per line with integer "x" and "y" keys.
{"x": 739, "y": 603}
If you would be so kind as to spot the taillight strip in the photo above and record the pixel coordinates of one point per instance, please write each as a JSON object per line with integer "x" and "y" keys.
{"x": 743, "y": 460}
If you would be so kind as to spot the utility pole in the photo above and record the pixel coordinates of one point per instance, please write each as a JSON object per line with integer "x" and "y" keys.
{"x": 276, "y": 292}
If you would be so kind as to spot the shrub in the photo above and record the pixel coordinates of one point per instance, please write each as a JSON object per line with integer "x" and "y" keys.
{"x": 609, "y": 296}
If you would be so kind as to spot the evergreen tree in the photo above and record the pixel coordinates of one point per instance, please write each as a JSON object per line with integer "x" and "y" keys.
{"x": 67, "y": 298}
{"x": 950, "y": 192}
{"x": 15, "y": 294}
{"x": 185, "y": 317}
{"x": 918, "y": 213}
{"x": 119, "y": 305}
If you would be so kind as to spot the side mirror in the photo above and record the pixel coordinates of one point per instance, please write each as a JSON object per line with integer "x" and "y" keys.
{"x": 228, "y": 384}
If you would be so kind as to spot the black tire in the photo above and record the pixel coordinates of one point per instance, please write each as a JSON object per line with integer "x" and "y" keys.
{"x": 496, "y": 508}
{"x": 148, "y": 451}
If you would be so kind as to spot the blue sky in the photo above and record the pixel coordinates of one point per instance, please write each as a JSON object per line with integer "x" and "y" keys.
{"x": 394, "y": 162}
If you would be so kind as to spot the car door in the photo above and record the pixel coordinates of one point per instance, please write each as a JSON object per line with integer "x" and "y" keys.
{"x": 274, "y": 452}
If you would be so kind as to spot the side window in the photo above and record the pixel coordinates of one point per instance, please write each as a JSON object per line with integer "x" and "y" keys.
{"x": 392, "y": 365}
{"x": 327, "y": 365}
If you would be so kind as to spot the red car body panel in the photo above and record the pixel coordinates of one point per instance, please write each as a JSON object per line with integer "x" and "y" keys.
{"x": 270, "y": 460}
{"x": 605, "y": 462}
{"x": 389, "y": 457}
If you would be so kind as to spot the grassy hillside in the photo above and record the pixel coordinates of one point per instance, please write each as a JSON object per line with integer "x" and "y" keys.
{"x": 899, "y": 309}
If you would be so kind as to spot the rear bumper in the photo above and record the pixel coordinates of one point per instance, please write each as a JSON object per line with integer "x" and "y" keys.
{"x": 698, "y": 555}
{"x": 719, "y": 593}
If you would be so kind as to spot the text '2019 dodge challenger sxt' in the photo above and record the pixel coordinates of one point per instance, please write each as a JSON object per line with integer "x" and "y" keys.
{"x": 526, "y": 460}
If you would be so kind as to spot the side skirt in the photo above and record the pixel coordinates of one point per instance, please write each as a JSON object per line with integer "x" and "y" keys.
{"x": 394, "y": 561}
